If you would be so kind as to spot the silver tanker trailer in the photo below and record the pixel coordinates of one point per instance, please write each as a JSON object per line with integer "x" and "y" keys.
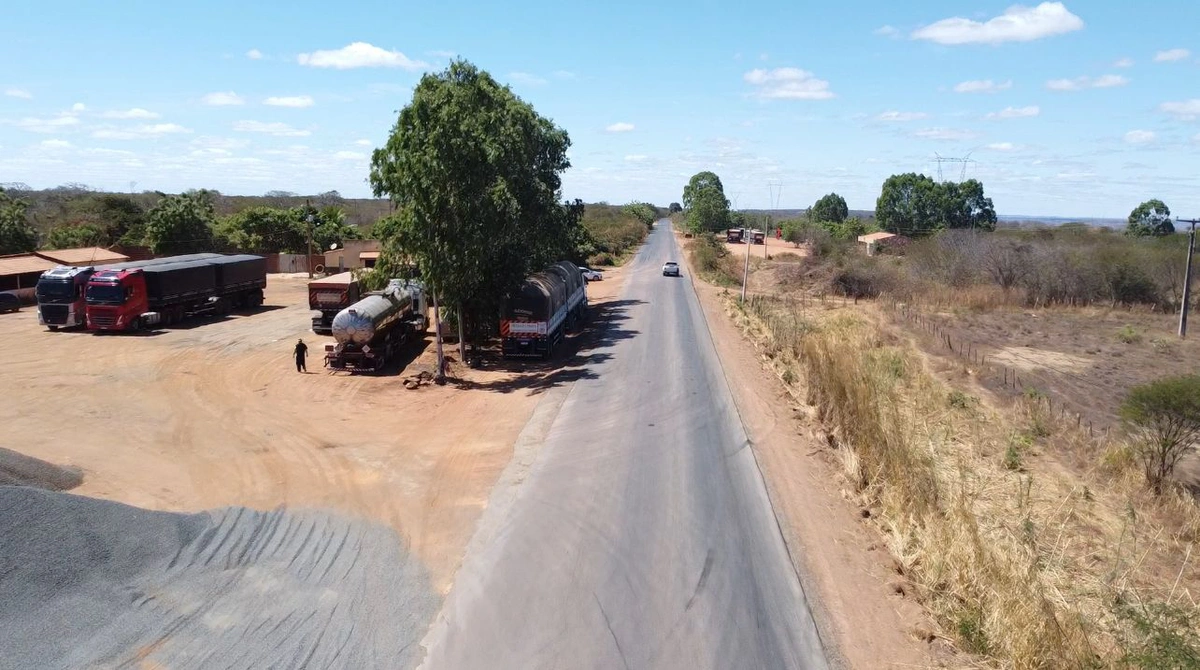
{"x": 369, "y": 332}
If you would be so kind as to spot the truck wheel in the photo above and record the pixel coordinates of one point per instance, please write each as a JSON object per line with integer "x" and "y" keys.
{"x": 53, "y": 328}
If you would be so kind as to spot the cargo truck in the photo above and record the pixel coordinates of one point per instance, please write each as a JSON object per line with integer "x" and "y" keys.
{"x": 538, "y": 315}
{"x": 734, "y": 235}
{"x": 373, "y": 329}
{"x": 61, "y": 298}
{"x": 168, "y": 292}
{"x": 329, "y": 295}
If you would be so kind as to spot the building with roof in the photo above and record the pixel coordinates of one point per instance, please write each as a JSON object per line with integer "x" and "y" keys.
{"x": 19, "y": 273}
{"x": 352, "y": 255}
{"x": 876, "y": 242}
{"x": 83, "y": 257}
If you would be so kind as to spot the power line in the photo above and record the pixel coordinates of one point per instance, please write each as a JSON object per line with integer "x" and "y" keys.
{"x": 939, "y": 159}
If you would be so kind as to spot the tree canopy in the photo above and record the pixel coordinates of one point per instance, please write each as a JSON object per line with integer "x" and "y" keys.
{"x": 1150, "y": 219}
{"x": 16, "y": 235}
{"x": 642, "y": 211}
{"x": 831, "y": 208}
{"x": 705, "y": 203}
{"x": 912, "y": 204}
{"x": 475, "y": 172}
{"x": 181, "y": 224}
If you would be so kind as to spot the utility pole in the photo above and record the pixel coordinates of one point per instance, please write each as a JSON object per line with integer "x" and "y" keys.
{"x": 746, "y": 271}
{"x": 1187, "y": 277}
{"x": 308, "y": 218}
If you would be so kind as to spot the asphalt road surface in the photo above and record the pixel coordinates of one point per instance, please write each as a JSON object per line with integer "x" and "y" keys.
{"x": 642, "y": 535}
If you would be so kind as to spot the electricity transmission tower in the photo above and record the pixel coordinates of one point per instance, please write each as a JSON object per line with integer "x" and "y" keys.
{"x": 939, "y": 159}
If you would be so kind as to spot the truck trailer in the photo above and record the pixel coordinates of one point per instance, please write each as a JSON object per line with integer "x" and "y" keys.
{"x": 170, "y": 291}
{"x": 61, "y": 291}
{"x": 329, "y": 295}
{"x": 373, "y": 329}
{"x": 538, "y": 315}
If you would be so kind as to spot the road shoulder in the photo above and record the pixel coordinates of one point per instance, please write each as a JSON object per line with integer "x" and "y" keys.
{"x": 843, "y": 567}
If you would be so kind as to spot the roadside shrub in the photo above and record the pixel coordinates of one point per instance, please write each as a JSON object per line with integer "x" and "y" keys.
{"x": 600, "y": 259}
{"x": 1129, "y": 335}
{"x": 1164, "y": 418}
{"x": 714, "y": 260}
{"x": 1157, "y": 635}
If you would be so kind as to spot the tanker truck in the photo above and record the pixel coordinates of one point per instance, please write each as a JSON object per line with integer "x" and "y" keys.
{"x": 371, "y": 331}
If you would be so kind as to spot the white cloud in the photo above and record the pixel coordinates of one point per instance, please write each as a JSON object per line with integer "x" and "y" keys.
{"x": 764, "y": 56}
{"x": 901, "y": 116}
{"x": 135, "y": 113}
{"x": 218, "y": 143}
{"x": 443, "y": 54}
{"x": 55, "y": 144}
{"x": 636, "y": 158}
{"x": 945, "y": 134}
{"x": 563, "y": 74}
{"x": 1015, "y": 113}
{"x": 982, "y": 86}
{"x": 78, "y": 107}
{"x": 620, "y": 127}
{"x": 1124, "y": 62}
{"x": 50, "y": 125}
{"x": 886, "y": 31}
{"x": 141, "y": 132}
{"x": 1139, "y": 137}
{"x": 223, "y": 98}
{"x": 18, "y": 93}
{"x": 254, "y": 54}
{"x": 1171, "y": 55}
{"x": 1187, "y": 110}
{"x": 349, "y": 156}
{"x": 274, "y": 128}
{"x": 1079, "y": 83}
{"x": 788, "y": 83}
{"x": 1001, "y": 146}
{"x": 1017, "y": 24}
{"x": 290, "y": 101}
{"x": 360, "y": 54}
{"x": 1196, "y": 138}
{"x": 363, "y": 143}
{"x": 526, "y": 78}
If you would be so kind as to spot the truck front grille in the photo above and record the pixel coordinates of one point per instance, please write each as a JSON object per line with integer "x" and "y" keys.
{"x": 54, "y": 314}
{"x": 102, "y": 320}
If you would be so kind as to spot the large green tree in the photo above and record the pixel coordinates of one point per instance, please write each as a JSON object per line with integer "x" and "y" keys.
{"x": 642, "y": 211}
{"x": 263, "y": 230}
{"x": 1150, "y": 219}
{"x": 705, "y": 203}
{"x": 913, "y": 204}
{"x": 16, "y": 235}
{"x": 181, "y": 224}
{"x": 831, "y": 208}
{"x": 73, "y": 236}
{"x": 476, "y": 174}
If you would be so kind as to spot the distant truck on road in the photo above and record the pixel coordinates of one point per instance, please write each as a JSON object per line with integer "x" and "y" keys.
{"x": 758, "y": 237}
{"x": 536, "y": 318}
{"x": 61, "y": 298}
{"x": 735, "y": 235}
{"x": 172, "y": 290}
{"x": 329, "y": 295}
{"x": 372, "y": 330}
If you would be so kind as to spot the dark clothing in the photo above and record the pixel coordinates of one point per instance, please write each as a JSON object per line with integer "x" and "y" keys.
{"x": 301, "y": 352}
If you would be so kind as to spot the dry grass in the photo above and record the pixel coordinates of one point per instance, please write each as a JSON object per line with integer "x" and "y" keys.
{"x": 1023, "y": 543}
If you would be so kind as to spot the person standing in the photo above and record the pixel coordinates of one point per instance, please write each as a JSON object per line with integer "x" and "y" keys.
{"x": 301, "y": 352}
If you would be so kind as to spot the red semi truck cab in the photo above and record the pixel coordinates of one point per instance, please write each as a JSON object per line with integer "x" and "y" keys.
{"x": 116, "y": 300}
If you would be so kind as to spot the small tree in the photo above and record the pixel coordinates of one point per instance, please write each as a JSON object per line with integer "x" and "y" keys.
{"x": 830, "y": 208}
{"x": 1164, "y": 416}
{"x": 675, "y": 208}
{"x": 1150, "y": 219}
{"x": 16, "y": 235}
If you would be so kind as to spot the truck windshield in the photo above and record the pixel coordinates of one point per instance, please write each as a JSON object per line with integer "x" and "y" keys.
{"x": 105, "y": 294}
{"x": 55, "y": 290}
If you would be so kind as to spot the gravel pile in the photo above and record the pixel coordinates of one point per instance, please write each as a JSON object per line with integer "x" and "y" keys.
{"x": 21, "y": 470}
{"x": 90, "y": 583}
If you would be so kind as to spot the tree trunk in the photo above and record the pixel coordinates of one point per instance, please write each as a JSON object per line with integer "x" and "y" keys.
{"x": 462, "y": 342}
{"x": 437, "y": 335}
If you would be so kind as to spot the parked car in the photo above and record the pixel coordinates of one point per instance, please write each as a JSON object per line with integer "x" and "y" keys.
{"x": 9, "y": 303}
{"x": 671, "y": 268}
{"x": 590, "y": 274}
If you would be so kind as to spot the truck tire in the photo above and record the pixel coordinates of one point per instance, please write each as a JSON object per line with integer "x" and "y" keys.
{"x": 52, "y": 328}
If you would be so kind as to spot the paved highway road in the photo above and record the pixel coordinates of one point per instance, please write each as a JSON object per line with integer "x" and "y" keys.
{"x": 641, "y": 536}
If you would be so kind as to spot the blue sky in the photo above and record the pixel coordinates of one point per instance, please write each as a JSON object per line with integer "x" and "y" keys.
{"x": 1082, "y": 108}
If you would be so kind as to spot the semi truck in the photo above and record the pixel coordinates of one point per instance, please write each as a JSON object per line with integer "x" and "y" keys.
{"x": 130, "y": 299}
{"x": 329, "y": 295}
{"x": 538, "y": 315}
{"x": 372, "y": 330}
{"x": 61, "y": 298}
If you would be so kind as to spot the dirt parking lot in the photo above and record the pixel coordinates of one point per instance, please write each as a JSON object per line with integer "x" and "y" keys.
{"x": 213, "y": 413}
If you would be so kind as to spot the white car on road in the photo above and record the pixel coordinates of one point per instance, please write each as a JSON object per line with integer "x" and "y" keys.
{"x": 590, "y": 274}
{"x": 671, "y": 268}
